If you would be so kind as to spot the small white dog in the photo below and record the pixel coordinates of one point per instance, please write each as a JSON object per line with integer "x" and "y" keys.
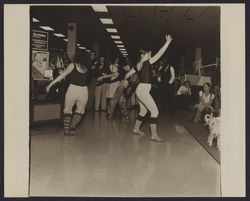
{"x": 214, "y": 128}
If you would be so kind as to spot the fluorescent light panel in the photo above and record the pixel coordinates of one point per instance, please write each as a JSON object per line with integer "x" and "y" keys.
{"x": 78, "y": 44}
{"x": 82, "y": 48}
{"x": 59, "y": 35}
{"x": 106, "y": 21}
{"x": 120, "y": 45}
{"x": 100, "y": 8}
{"x": 122, "y": 49}
{"x": 47, "y": 28}
{"x": 35, "y": 20}
{"x": 65, "y": 40}
{"x": 118, "y": 42}
{"x": 111, "y": 30}
{"x": 115, "y": 37}
{"x": 88, "y": 50}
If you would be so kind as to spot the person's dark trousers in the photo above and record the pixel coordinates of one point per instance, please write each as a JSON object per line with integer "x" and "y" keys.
{"x": 167, "y": 97}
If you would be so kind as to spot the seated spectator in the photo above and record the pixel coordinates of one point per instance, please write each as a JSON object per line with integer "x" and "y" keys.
{"x": 183, "y": 96}
{"x": 205, "y": 104}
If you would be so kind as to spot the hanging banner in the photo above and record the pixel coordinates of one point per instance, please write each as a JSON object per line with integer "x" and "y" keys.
{"x": 39, "y": 40}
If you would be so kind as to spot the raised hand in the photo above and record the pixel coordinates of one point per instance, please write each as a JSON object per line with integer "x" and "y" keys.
{"x": 169, "y": 38}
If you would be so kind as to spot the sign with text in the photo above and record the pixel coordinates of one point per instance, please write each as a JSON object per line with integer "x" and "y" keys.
{"x": 39, "y": 40}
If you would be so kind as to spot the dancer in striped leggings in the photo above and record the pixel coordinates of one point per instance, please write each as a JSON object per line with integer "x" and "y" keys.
{"x": 144, "y": 70}
{"x": 77, "y": 92}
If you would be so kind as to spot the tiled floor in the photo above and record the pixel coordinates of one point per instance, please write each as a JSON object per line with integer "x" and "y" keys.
{"x": 105, "y": 159}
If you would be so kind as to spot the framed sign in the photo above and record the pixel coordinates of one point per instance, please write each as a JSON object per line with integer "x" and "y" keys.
{"x": 40, "y": 61}
{"x": 40, "y": 40}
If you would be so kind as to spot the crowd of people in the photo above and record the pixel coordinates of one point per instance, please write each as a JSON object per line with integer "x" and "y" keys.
{"x": 96, "y": 84}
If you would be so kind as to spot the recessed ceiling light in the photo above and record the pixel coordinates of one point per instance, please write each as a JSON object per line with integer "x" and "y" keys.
{"x": 35, "y": 20}
{"x": 106, "y": 20}
{"x": 87, "y": 50}
{"x": 115, "y": 37}
{"x": 111, "y": 30}
{"x": 123, "y": 49}
{"x": 120, "y": 45}
{"x": 78, "y": 44}
{"x": 118, "y": 41}
{"x": 65, "y": 40}
{"x": 59, "y": 35}
{"x": 82, "y": 48}
{"x": 100, "y": 8}
{"x": 47, "y": 28}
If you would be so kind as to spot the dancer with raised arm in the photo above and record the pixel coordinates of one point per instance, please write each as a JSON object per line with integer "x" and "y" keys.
{"x": 144, "y": 70}
{"x": 77, "y": 92}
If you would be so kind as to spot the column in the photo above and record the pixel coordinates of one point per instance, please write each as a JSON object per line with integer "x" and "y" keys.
{"x": 197, "y": 62}
{"x": 71, "y": 44}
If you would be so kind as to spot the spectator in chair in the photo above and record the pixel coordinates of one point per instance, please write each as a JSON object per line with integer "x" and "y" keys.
{"x": 183, "y": 98}
{"x": 204, "y": 106}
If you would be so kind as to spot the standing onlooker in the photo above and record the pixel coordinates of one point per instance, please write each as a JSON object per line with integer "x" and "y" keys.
{"x": 101, "y": 85}
{"x": 114, "y": 80}
{"x": 92, "y": 84}
{"x": 166, "y": 77}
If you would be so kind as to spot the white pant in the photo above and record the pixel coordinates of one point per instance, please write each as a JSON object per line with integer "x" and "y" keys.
{"x": 112, "y": 88}
{"x": 146, "y": 102}
{"x": 76, "y": 95}
{"x": 100, "y": 96}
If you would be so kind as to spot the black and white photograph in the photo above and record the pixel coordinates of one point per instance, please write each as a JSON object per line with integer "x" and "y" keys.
{"x": 126, "y": 100}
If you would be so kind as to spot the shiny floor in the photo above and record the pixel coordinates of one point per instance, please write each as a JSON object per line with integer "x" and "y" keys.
{"x": 105, "y": 159}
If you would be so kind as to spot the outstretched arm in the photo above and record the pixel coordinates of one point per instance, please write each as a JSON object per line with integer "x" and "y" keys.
{"x": 129, "y": 73}
{"x": 172, "y": 75}
{"x": 60, "y": 77}
{"x": 162, "y": 50}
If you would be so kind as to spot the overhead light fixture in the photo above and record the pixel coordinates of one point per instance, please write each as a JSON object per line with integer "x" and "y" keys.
{"x": 78, "y": 45}
{"x": 120, "y": 45}
{"x": 115, "y": 37}
{"x": 82, "y": 48}
{"x": 106, "y": 21}
{"x": 35, "y": 20}
{"x": 118, "y": 41}
{"x": 65, "y": 40}
{"x": 87, "y": 50}
{"x": 122, "y": 49}
{"x": 99, "y": 8}
{"x": 47, "y": 28}
{"x": 59, "y": 35}
{"x": 111, "y": 30}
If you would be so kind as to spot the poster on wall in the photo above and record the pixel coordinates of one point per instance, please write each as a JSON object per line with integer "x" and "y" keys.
{"x": 39, "y": 40}
{"x": 40, "y": 61}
